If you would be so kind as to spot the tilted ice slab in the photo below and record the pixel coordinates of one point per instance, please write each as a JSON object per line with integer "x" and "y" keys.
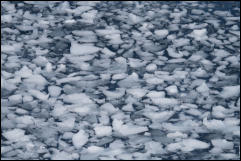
{"x": 83, "y": 49}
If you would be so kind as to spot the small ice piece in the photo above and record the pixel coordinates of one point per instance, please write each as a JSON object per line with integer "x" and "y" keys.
{"x": 108, "y": 107}
{"x": 155, "y": 94}
{"x": 49, "y": 67}
{"x": 219, "y": 111}
{"x": 151, "y": 67}
{"x": 126, "y": 130}
{"x": 119, "y": 76}
{"x": 173, "y": 53}
{"x": 27, "y": 120}
{"x": 230, "y": 92}
{"x": 17, "y": 98}
{"x": 95, "y": 149}
{"x": 83, "y": 49}
{"x": 135, "y": 19}
{"x": 101, "y": 131}
{"x": 161, "y": 33}
{"x": 199, "y": 34}
{"x": 10, "y": 49}
{"x": 54, "y": 91}
{"x": 222, "y": 144}
{"x": 38, "y": 94}
{"x": 24, "y": 72}
{"x": 61, "y": 156}
{"x": 78, "y": 98}
{"x": 171, "y": 89}
{"x": 107, "y": 52}
{"x": 36, "y": 79}
{"x": 79, "y": 139}
{"x": 68, "y": 79}
{"x": 128, "y": 107}
{"x": 59, "y": 110}
{"x": 203, "y": 88}
{"x": 66, "y": 125}
{"x": 187, "y": 145}
{"x": 154, "y": 80}
{"x": 14, "y": 135}
{"x": 200, "y": 73}
{"x": 114, "y": 94}
{"x": 137, "y": 92}
{"x": 164, "y": 101}
{"x": 176, "y": 134}
{"x": 159, "y": 116}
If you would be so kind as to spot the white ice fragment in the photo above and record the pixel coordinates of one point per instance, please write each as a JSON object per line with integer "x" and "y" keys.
{"x": 161, "y": 33}
{"x": 119, "y": 76}
{"x": 176, "y": 134}
{"x": 135, "y": 19}
{"x": 108, "y": 52}
{"x": 17, "y": 98}
{"x": 108, "y": 107}
{"x": 27, "y": 120}
{"x": 222, "y": 144}
{"x": 159, "y": 116}
{"x": 199, "y": 73}
{"x": 36, "y": 80}
{"x": 155, "y": 94}
{"x": 154, "y": 80}
{"x": 83, "y": 49}
{"x": 10, "y": 49}
{"x": 66, "y": 125}
{"x": 128, "y": 107}
{"x": 27, "y": 98}
{"x": 173, "y": 53}
{"x": 171, "y": 89}
{"x": 68, "y": 79}
{"x": 114, "y": 94}
{"x": 219, "y": 111}
{"x": 59, "y": 110}
{"x": 14, "y": 135}
{"x": 126, "y": 130}
{"x": 199, "y": 34}
{"x": 137, "y": 92}
{"x": 187, "y": 145}
{"x": 165, "y": 101}
{"x": 38, "y": 94}
{"x": 79, "y": 139}
{"x": 151, "y": 67}
{"x": 95, "y": 149}
{"x": 49, "y": 67}
{"x": 24, "y": 72}
{"x": 54, "y": 91}
{"x": 203, "y": 88}
{"x": 230, "y": 91}
{"x": 61, "y": 156}
{"x": 101, "y": 131}
{"x": 78, "y": 98}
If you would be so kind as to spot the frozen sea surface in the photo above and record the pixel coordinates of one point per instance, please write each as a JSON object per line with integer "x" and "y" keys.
{"x": 120, "y": 80}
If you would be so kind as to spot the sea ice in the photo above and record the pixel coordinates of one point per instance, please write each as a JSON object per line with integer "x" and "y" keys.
{"x": 79, "y": 139}
{"x": 83, "y": 49}
{"x": 137, "y": 92}
{"x": 54, "y": 91}
{"x": 101, "y": 131}
{"x": 161, "y": 33}
{"x": 230, "y": 91}
{"x": 108, "y": 107}
{"x": 14, "y": 135}
{"x": 172, "y": 89}
{"x": 38, "y": 94}
{"x": 78, "y": 98}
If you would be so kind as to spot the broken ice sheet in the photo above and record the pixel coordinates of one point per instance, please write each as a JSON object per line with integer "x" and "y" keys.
{"x": 122, "y": 80}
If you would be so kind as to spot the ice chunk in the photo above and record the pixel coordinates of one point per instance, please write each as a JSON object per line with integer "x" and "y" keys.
{"x": 161, "y": 33}
{"x": 126, "y": 130}
{"x": 25, "y": 72}
{"x": 14, "y": 135}
{"x": 230, "y": 91}
{"x": 59, "y": 110}
{"x": 36, "y": 79}
{"x": 151, "y": 67}
{"x": 171, "y": 89}
{"x": 200, "y": 73}
{"x": 107, "y": 52}
{"x": 10, "y": 49}
{"x": 54, "y": 91}
{"x": 128, "y": 107}
{"x": 155, "y": 94}
{"x": 219, "y": 111}
{"x": 38, "y": 94}
{"x": 222, "y": 144}
{"x": 101, "y": 131}
{"x": 27, "y": 120}
{"x": 68, "y": 79}
{"x": 108, "y": 107}
{"x": 137, "y": 92}
{"x": 199, "y": 34}
{"x": 78, "y": 98}
{"x": 17, "y": 98}
{"x": 164, "y": 101}
{"x": 79, "y": 139}
{"x": 83, "y": 49}
{"x": 135, "y": 19}
{"x": 95, "y": 149}
{"x": 159, "y": 116}
{"x": 114, "y": 94}
{"x": 66, "y": 125}
{"x": 176, "y": 134}
{"x": 154, "y": 80}
{"x": 203, "y": 88}
{"x": 187, "y": 145}
{"x": 119, "y": 76}
{"x": 61, "y": 156}
{"x": 173, "y": 53}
